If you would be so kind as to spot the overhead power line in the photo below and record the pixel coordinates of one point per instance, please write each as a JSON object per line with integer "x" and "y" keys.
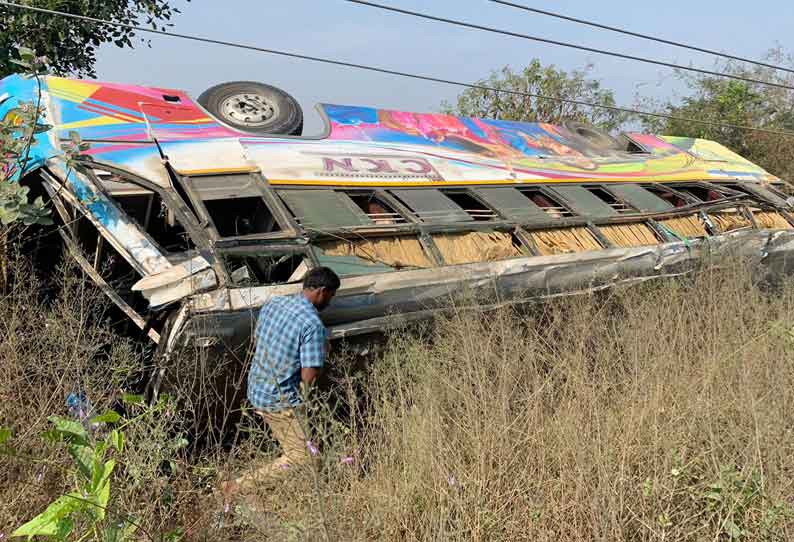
{"x": 643, "y": 36}
{"x": 464, "y": 24}
{"x": 388, "y": 71}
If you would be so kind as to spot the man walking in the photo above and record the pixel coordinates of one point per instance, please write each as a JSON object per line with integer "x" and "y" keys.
{"x": 291, "y": 346}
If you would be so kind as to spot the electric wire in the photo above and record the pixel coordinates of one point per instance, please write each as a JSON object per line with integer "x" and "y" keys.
{"x": 474, "y": 26}
{"x": 640, "y": 35}
{"x": 387, "y": 71}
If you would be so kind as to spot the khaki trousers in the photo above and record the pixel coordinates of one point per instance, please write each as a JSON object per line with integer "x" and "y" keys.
{"x": 286, "y": 428}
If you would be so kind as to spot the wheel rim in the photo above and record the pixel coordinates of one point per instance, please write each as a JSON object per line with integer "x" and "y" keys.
{"x": 249, "y": 110}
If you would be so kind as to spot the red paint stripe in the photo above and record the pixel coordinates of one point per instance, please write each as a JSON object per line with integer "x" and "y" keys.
{"x": 95, "y": 108}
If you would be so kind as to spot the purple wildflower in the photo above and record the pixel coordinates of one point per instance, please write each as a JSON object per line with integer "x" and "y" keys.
{"x": 312, "y": 448}
{"x": 347, "y": 460}
{"x": 452, "y": 481}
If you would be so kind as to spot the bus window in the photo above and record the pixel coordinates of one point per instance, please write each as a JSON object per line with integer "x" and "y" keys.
{"x": 324, "y": 209}
{"x": 432, "y": 206}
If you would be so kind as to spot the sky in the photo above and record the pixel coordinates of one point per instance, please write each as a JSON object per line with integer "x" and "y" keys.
{"x": 355, "y": 33}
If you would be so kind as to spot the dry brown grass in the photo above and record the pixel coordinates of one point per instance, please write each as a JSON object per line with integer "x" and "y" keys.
{"x": 657, "y": 412}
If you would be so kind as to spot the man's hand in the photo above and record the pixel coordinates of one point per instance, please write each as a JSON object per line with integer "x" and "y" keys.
{"x": 309, "y": 375}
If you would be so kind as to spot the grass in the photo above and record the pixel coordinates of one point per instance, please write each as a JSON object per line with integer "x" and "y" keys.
{"x": 656, "y": 412}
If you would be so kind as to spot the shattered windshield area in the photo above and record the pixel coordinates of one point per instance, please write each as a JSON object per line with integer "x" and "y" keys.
{"x": 234, "y": 205}
{"x": 148, "y": 210}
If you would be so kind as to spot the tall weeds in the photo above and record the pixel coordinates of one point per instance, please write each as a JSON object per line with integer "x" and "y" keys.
{"x": 614, "y": 417}
{"x": 657, "y": 412}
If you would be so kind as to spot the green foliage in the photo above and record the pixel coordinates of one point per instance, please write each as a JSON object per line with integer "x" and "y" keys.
{"x": 14, "y": 206}
{"x": 541, "y": 80}
{"x": 740, "y": 103}
{"x": 74, "y": 148}
{"x": 17, "y": 131}
{"x": 5, "y": 435}
{"x": 94, "y": 455}
{"x": 131, "y": 399}
{"x": 88, "y": 502}
{"x": 54, "y": 521}
{"x": 70, "y": 45}
{"x": 734, "y": 504}
{"x": 28, "y": 60}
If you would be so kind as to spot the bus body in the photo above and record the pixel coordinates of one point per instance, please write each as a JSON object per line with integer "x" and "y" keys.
{"x": 190, "y": 226}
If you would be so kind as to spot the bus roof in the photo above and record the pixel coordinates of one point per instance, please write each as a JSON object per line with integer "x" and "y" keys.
{"x": 135, "y": 128}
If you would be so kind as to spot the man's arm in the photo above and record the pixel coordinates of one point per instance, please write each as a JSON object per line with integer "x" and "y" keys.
{"x": 313, "y": 354}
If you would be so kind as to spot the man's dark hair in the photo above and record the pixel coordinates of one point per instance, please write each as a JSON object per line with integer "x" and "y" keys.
{"x": 321, "y": 277}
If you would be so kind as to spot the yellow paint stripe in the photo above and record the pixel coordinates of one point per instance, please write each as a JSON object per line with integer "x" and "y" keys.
{"x": 650, "y": 179}
{"x": 126, "y": 117}
{"x": 71, "y": 87}
{"x": 194, "y": 121}
{"x": 87, "y": 123}
{"x": 216, "y": 171}
{"x": 103, "y": 120}
{"x": 68, "y": 97}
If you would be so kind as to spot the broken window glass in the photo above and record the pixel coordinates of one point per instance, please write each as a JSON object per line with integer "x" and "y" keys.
{"x": 583, "y": 201}
{"x": 431, "y": 205}
{"x": 324, "y": 209}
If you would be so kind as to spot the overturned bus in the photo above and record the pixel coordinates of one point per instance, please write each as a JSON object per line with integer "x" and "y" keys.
{"x": 190, "y": 214}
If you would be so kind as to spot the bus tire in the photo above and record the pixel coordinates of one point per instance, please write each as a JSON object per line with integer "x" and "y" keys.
{"x": 254, "y": 107}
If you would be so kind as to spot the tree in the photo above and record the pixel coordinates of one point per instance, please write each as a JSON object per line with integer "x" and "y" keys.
{"x": 70, "y": 44}
{"x": 540, "y": 80}
{"x": 739, "y": 102}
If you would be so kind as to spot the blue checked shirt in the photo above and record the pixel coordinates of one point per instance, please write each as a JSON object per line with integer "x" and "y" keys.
{"x": 289, "y": 336}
